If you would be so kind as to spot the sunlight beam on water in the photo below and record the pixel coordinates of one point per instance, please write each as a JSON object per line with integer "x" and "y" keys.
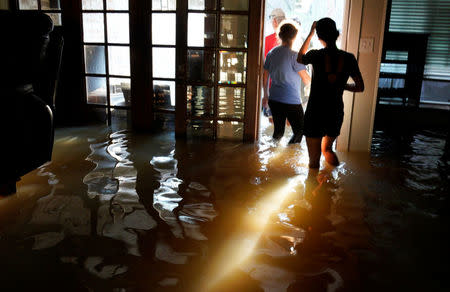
{"x": 67, "y": 140}
{"x": 240, "y": 247}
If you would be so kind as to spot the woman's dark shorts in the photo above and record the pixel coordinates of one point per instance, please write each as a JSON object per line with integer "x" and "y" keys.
{"x": 320, "y": 124}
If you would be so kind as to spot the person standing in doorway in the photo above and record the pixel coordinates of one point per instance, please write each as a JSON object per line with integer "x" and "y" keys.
{"x": 286, "y": 74}
{"x": 271, "y": 41}
{"x": 325, "y": 111}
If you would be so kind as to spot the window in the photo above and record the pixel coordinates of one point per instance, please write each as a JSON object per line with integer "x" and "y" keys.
{"x": 426, "y": 16}
{"x": 50, "y": 7}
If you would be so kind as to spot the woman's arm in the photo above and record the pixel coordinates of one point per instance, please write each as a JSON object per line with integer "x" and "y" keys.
{"x": 305, "y": 45}
{"x": 358, "y": 86}
{"x": 305, "y": 77}
{"x": 265, "y": 100}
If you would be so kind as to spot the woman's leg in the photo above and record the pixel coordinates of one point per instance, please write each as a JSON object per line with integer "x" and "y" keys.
{"x": 295, "y": 118}
{"x": 327, "y": 150}
{"x": 314, "y": 151}
{"x": 279, "y": 119}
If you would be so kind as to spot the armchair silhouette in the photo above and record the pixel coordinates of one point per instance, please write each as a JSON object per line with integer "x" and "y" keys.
{"x": 30, "y": 59}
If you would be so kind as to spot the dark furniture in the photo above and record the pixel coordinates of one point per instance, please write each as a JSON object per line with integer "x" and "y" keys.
{"x": 402, "y": 67}
{"x": 30, "y": 59}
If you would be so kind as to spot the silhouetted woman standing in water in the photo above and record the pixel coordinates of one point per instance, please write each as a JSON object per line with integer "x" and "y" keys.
{"x": 325, "y": 111}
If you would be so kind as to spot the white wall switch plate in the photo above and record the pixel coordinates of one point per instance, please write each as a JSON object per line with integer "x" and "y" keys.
{"x": 366, "y": 45}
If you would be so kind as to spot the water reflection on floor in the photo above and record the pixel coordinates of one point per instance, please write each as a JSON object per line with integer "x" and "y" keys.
{"x": 119, "y": 211}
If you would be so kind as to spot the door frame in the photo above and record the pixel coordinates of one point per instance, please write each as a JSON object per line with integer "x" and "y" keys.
{"x": 254, "y": 70}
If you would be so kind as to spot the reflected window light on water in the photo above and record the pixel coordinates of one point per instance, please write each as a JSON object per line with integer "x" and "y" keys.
{"x": 113, "y": 184}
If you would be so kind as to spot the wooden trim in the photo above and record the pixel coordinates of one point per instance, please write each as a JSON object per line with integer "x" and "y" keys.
{"x": 236, "y": 85}
{"x": 353, "y": 32}
{"x": 72, "y": 92}
{"x": 164, "y": 111}
{"x": 254, "y": 63}
{"x": 435, "y": 79}
{"x": 180, "y": 63}
{"x": 216, "y": 73}
{"x": 164, "y": 79}
{"x": 122, "y": 107}
{"x": 105, "y": 75}
{"x": 218, "y": 11}
{"x": 164, "y": 46}
{"x": 379, "y": 54}
{"x": 140, "y": 65}
{"x": 104, "y": 11}
{"x": 105, "y": 40}
{"x": 263, "y": 14}
{"x": 164, "y": 11}
{"x": 106, "y": 44}
{"x": 387, "y": 19}
{"x": 13, "y": 5}
{"x": 218, "y": 48}
{"x": 210, "y": 118}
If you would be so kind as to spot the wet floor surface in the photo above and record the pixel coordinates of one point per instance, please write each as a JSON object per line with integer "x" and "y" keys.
{"x": 120, "y": 211}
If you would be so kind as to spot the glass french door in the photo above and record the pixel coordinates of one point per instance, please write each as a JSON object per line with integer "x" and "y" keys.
{"x": 106, "y": 44}
{"x": 216, "y": 68}
{"x": 199, "y": 49}
{"x": 197, "y": 55}
{"x": 163, "y": 52}
{"x": 193, "y": 59}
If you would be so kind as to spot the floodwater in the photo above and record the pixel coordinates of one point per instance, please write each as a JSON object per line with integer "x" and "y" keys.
{"x": 120, "y": 211}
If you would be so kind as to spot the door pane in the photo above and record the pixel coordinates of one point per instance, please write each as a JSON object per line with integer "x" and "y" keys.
{"x": 28, "y": 4}
{"x": 202, "y": 4}
{"x": 56, "y": 18}
{"x": 230, "y": 130}
{"x": 120, "y": 118}
{"x": 118, "y": 28}
{"x": 200, "y": 65}
{"x": 50, "y": 5}
{"x": 93, "y": 28}
{"x": 233, "y": 31}
{"x": 164, "y": 4}
{"x": 96, "y": 90}
{"x": 163, "y": 62}
{"x": 92, "y": 5}
{"x": 231, "y": 102}
{"x": 241, "y": 5}
{"x": 201, "y": 30}
{"x": 163, "y": 94}
{"x": 117, "y": 4}
{"x": 119, "y": 60}
{"x": 95, "y": 59}
{"x": 197, "y": 128}
{"x": 163, "y": 28}
{"x": 233, "y": 67}
{"x": 101, "y": 114}
{"x": 119, "y": 91}
{"x": 200, "y": 101}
